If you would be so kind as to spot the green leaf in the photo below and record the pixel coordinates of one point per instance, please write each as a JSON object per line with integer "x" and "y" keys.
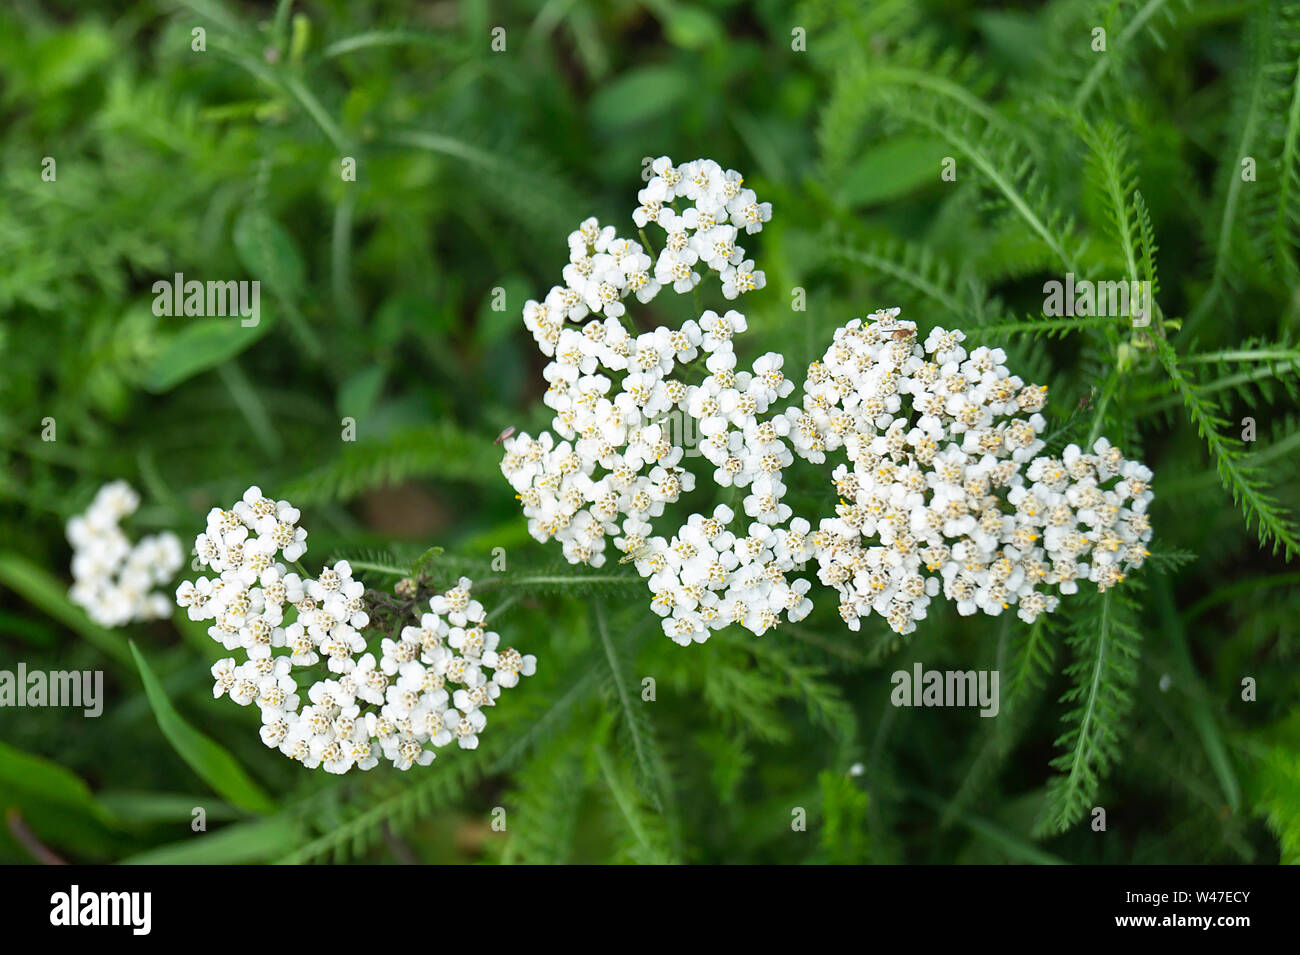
{"x": 38, "y": 587}
{"x": 359, "y": 391}
{"x": 209, "y": 759}
{"x": 1274, "y": 781}
{"x": 258, "y": 841}
{"x": 425, "y": 559}
{"x": 639, "y": 95}
{"x": 654, "y": 778}
{"x": 269, "y": 253}
{"x": 66, "y": 57}
{"x": 390, "y": 814}
{"x": 892, "y": 169}
{"x": 692, "y": 29}
{"x": 1013, "y": 35}
{"x": 55, "y": 805}
{"x": 438, "y": 450}
{"x": 1202, "y": 715}
{"x": 131, "y": 806}
{"x": 203, "y": 344}
{"x": 33, "y": 632}
{"x": 1106, "y": 644}
{"x": 844, "y": 836}
{"x": 48, "y": 782}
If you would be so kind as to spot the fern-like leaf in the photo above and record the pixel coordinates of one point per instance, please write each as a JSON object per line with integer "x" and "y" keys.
{"x": 1105, "y": 641}
{"x": 1272, "y": 523}
{"x": 440, "y": 450}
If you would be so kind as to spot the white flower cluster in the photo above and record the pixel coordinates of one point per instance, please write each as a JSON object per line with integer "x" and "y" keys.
{"x": 604, "y": 269}
{"x": 113, "y": 579}
{"x": 428, "y": 687}
{"x": 616, "y": 464}
{"x": 945, "y": 491}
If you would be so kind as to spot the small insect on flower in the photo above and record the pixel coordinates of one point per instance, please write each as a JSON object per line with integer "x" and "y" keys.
{"x": 504, "y": 434}
{"x": 640, "y": 551}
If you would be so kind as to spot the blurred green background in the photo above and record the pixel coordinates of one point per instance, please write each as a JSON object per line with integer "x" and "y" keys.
{"x": 473, "y": 164}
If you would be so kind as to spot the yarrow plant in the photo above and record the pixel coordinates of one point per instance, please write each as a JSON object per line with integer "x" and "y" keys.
{"x": 113, "y": 579}
{"x": 1173, "y": 692}
{"x": 416, "y": 694}
{"x": 944, "y": 492}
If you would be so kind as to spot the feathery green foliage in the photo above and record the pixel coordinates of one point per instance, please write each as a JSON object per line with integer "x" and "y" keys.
{"x": 948, "y": 158}
{"x": 1106, "y": 644}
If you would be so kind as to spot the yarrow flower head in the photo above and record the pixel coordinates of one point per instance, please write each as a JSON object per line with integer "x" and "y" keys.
{"x": 613, "y": 463}
{"x": 398, "y": 702}
{"x": 113, "y": 579}
{"x": 701, "y": 210}
{"x": 944, "y": 491}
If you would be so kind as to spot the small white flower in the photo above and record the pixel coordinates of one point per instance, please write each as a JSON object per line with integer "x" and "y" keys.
{"x": 112, "y": 578}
